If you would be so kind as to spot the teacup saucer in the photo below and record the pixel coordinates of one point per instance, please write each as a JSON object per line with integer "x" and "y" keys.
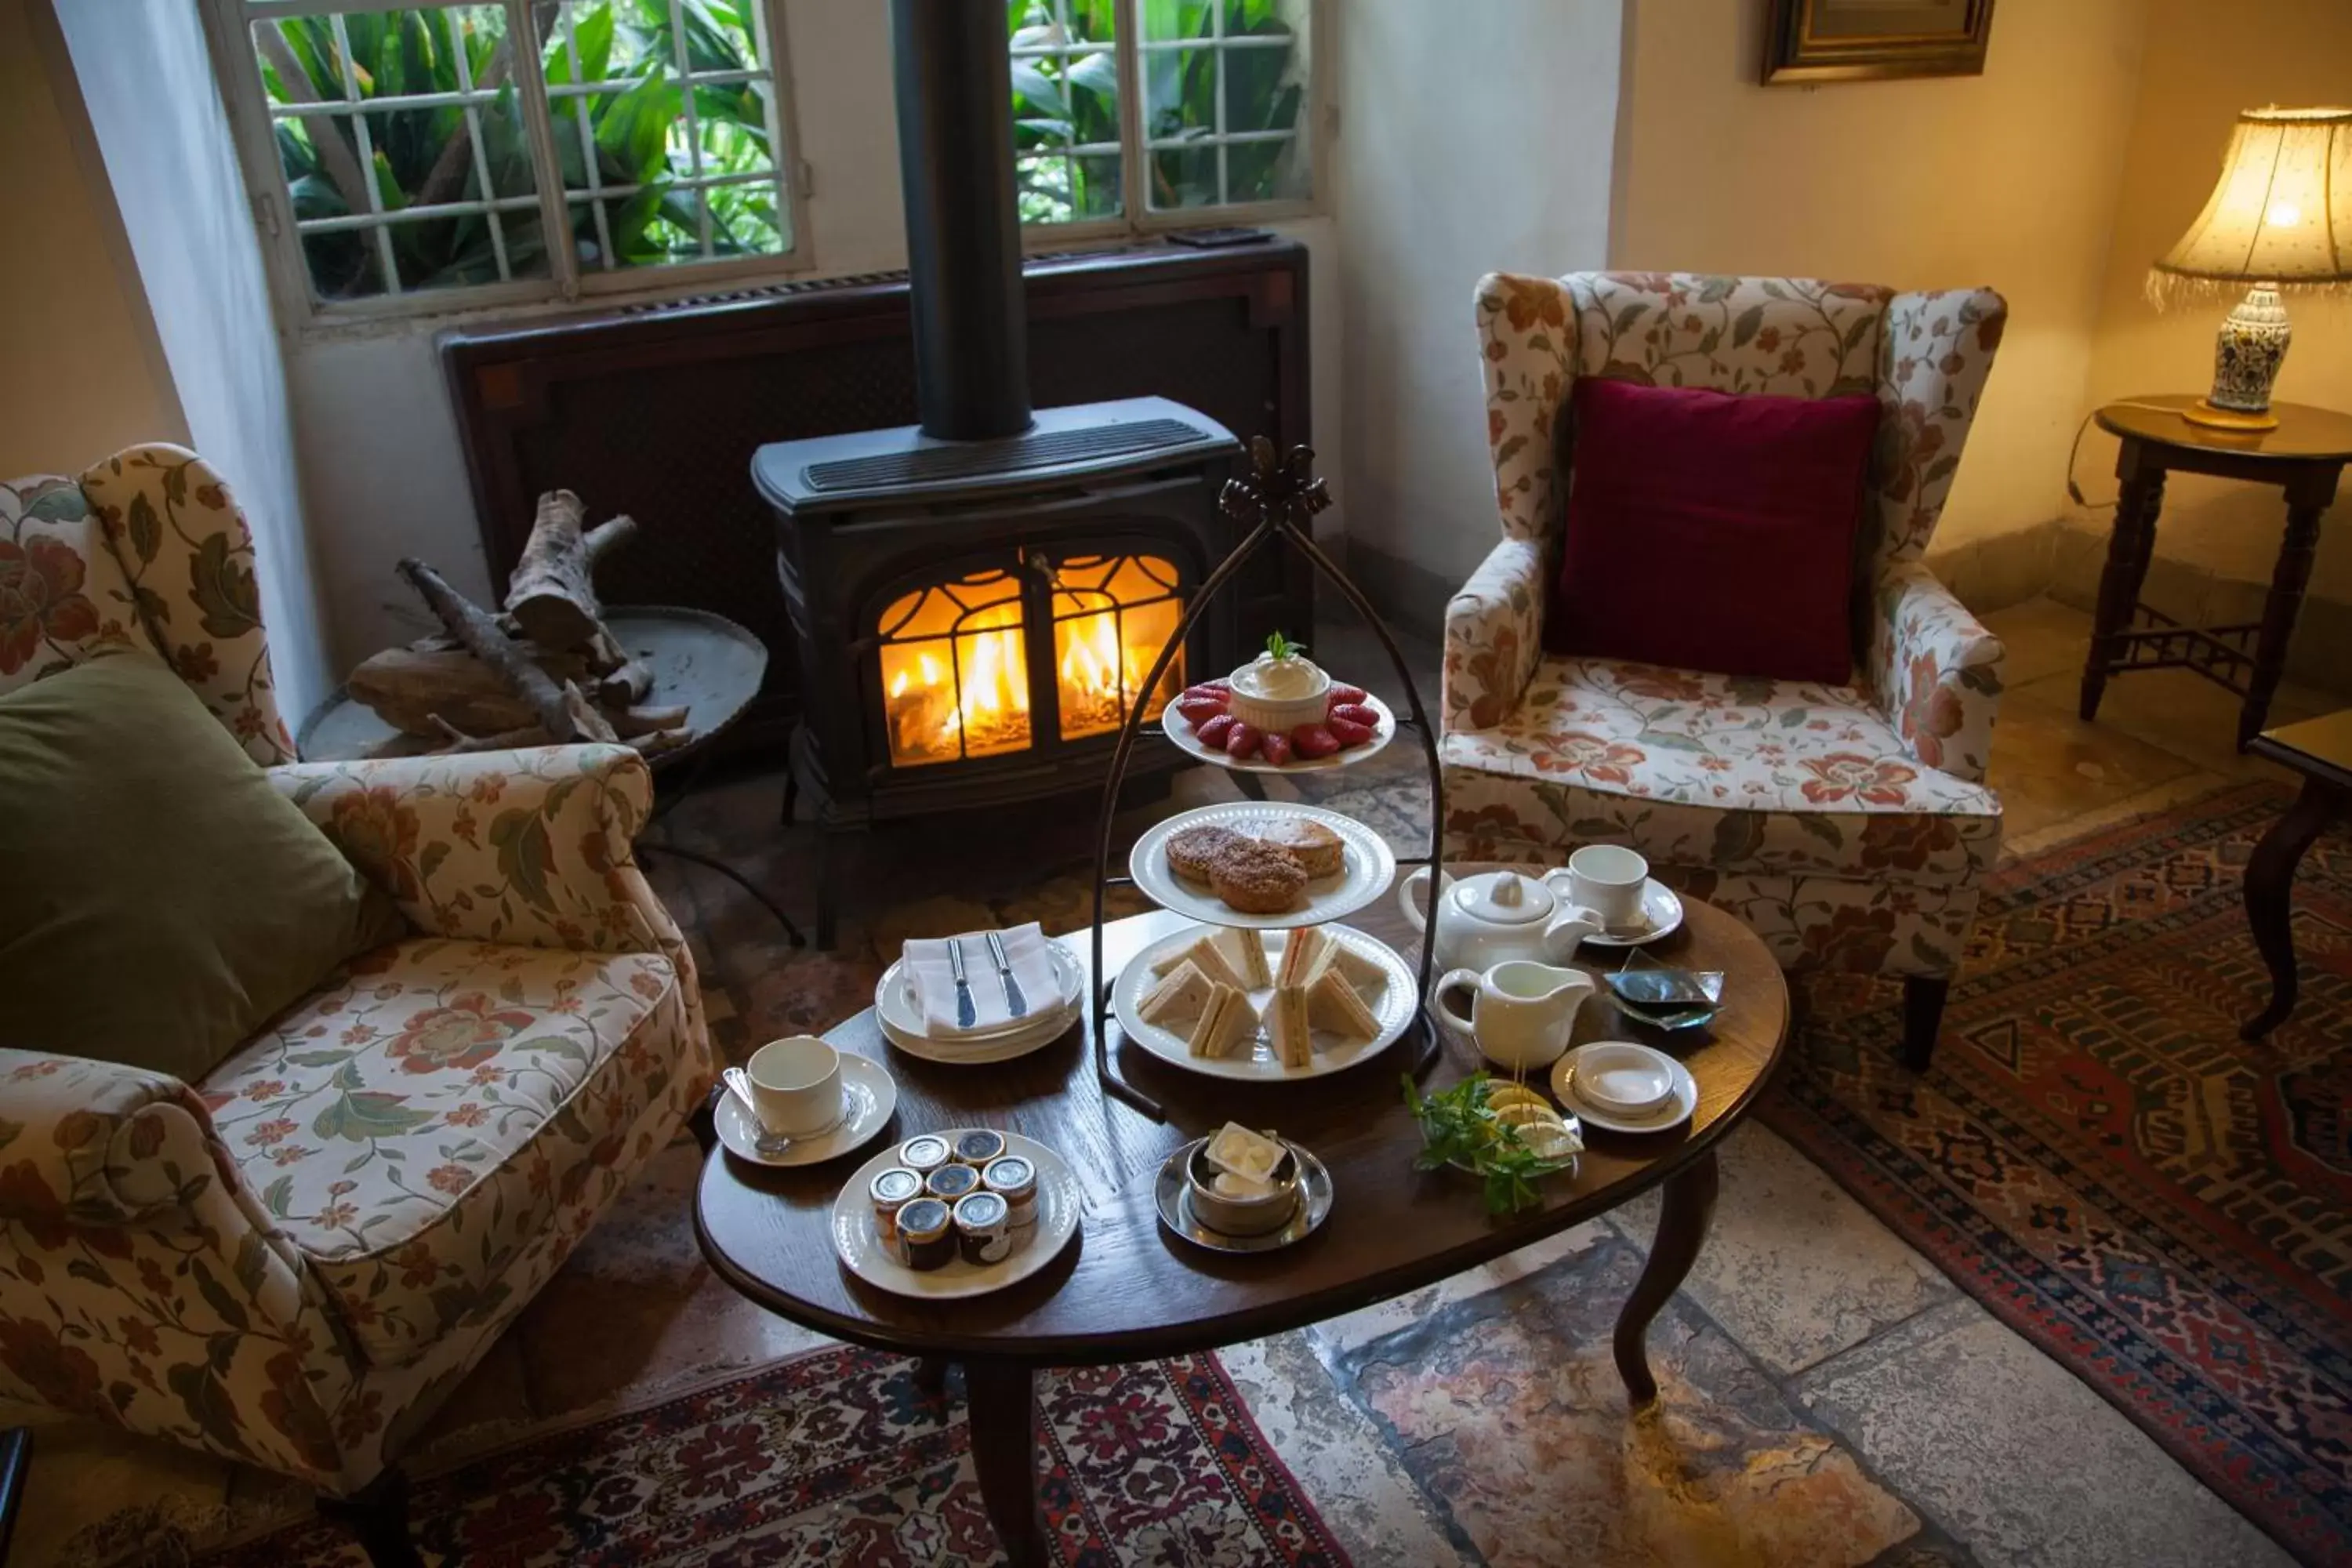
{"x": 1681, "y": 1101}
{"x": 869, "y": 1097}
{"x": 1662, "y": 914}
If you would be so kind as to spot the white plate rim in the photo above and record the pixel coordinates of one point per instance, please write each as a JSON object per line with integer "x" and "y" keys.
{"x": 733, "y": 1122}
{"x": 1171, "y": 1049}
{"x": 1180, "y": 729}
{"x": 1070, "y": 975}
{"x": 1653, "y": 892}
{"x": 1363, "y": 879}
{"x": 1059, "y": 1203}
{"x": 1684, "y": 1102}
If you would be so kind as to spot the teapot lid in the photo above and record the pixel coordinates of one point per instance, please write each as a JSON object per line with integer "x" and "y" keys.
{"x": 1503, "y": 898}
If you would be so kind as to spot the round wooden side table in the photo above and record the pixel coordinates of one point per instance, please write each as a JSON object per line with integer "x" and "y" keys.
{"x": 2304, "y": 456}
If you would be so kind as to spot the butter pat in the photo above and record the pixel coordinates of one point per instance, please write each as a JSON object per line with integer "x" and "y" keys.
{"x": 1228, "y": 1185}
{"x": 1238, "y": 1152}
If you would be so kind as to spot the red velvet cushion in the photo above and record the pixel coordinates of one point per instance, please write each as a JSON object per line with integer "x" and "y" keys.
{"x": 1713, "y": 532}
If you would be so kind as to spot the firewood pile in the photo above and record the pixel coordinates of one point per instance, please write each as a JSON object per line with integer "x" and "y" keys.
{"x": 544, "y": 672}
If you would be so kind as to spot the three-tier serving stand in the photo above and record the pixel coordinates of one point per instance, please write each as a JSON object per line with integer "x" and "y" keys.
{"x": 1278, "y": 502}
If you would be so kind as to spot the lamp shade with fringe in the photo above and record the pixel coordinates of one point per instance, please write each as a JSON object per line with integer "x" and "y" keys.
{"x": 2281, "y": 215}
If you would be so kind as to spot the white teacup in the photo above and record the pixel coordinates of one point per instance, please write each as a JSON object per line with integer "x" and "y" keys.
{"x": 796, "y": 1085}
{"x": 1607, "y": 879}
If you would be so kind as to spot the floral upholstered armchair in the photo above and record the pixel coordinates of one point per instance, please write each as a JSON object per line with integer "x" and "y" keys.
{"x": 291, "y": 1262}
{"x": 1848, "y": 824}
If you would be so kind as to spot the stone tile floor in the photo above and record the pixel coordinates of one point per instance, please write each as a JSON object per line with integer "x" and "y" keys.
{"x": 1828, "y": 1395}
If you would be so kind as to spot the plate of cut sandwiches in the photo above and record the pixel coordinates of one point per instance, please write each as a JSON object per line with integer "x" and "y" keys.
{"x": 1264, "y": 1005}
{"x": 1262, "y": 864}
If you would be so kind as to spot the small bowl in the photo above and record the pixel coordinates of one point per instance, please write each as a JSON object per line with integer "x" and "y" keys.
{"x": 1240, "y": 1216}
{"x": 1624, "y": 1079}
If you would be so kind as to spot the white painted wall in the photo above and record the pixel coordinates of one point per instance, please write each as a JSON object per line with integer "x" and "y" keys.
{"x": 86, "y": 373}
{"x": 1474, "y": 137}
{"x": 2007, "y": 179}
{"x": 148, "y": 82}
{"x": 382, "y": 467}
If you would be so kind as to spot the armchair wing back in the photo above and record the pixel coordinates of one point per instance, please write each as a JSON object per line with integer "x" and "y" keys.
{"x": 148, "y": 548}
{"x": 1847, "y": 824}
{"x": 291, "y": 1262}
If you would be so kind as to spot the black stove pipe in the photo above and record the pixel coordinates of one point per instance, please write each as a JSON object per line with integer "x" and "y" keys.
{"x": 954, "y": 85}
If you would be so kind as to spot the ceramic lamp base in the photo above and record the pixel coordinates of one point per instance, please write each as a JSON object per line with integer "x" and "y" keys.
{"x": 2247, "y": 354}
{"x": 2203, "y": 412}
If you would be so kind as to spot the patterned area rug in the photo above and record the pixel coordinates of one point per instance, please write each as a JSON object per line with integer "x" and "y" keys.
{"x": 838, "y": 1458}
{"x": 2096, "y": 1158}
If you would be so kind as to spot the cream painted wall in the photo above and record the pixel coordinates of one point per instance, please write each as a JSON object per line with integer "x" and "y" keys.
{"x": 1475, "y": 138}
{"x": 2203, "y": 64}
{"x": 2006, "y": 179}
{"x": 86, "y": 376}
{"x": 383, "y": 470}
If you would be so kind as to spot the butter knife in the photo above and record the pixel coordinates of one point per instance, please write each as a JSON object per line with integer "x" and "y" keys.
{"x": 966, "y": 1014}
{"x": 1014, "y": 1003}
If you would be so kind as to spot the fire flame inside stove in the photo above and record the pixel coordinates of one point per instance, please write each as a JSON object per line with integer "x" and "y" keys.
{"x": 956, "y": 676}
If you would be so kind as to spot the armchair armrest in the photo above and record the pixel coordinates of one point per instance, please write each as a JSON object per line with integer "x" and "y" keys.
{"x": 528, "y": 847}
{"x": 1935, "y": 671}
{"x": 88, "y": 1142}
{"x": 1493, "y": 635}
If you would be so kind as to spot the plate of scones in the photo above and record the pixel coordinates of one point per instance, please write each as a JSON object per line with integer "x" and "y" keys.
{"x": 1239, "y": 1003}
{"x": 1264, "y": 865}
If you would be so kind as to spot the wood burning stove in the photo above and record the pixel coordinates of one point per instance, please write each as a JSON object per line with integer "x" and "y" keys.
{"x": 978, "y": 599}
{"x": 969, "y": 639}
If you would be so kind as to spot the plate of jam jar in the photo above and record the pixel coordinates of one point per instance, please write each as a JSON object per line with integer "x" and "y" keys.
{"x": 956, "y": 1213}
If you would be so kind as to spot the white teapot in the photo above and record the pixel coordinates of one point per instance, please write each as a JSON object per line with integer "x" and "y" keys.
{"x": 1484, "y": 920}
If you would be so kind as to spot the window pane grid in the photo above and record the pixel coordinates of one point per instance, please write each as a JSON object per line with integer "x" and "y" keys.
{"x": 481, "y": 157}
{"x": 588, "y": 159}
{"x": 1069, "y": 157}
{"x": 1223, "y": 118}
{"x": 693, "y": 129}
{"x": 384, "y": 256}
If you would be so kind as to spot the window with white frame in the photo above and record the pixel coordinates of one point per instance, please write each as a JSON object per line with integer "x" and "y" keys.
{"x": 405, "y": 161}
{"x": 1204, "y": 107}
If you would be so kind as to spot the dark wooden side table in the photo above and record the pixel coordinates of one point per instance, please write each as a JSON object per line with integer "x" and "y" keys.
{"x": 2304, "y": 456}
{"x": 2321, "y": 751}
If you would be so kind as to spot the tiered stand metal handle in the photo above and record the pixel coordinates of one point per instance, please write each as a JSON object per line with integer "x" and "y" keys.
{"x": 1280, "y": 499}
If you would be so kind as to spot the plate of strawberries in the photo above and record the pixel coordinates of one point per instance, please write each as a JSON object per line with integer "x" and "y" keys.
{"x": 1355, "y": 725}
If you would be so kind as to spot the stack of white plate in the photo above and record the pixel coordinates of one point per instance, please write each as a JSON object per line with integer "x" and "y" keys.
{"x": 1049, "y": 1017}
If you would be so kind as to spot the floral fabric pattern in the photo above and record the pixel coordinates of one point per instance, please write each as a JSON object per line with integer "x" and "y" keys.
{"x": 1938, "y": 672}
{"x": 1849, "y": 824}
{"x": 412, "y": 1125}
{"x": 1493, "y": 635}
{"x": 290, "y": 1264}
{"x": 528, "y": 846}
{"x": 151, "y": 545}
{"x": 1718, "y": 771}
{"x": 62, "y": 593}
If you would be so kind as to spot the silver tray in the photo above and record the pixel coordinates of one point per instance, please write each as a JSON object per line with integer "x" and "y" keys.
{"x": 1168, "y": 1195}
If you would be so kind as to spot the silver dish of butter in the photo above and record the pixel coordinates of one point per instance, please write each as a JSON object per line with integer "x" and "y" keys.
{"x": 1173, "y": 1188}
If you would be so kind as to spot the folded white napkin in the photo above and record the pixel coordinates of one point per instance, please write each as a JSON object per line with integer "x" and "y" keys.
{"x": 934, "y": 979}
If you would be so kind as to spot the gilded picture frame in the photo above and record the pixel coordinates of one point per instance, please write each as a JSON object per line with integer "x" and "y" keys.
{"x": 1808, "y": 41}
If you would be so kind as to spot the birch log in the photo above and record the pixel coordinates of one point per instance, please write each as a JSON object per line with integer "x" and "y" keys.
{"x": 560, "y": 710}
{"x": 553, "y": 594}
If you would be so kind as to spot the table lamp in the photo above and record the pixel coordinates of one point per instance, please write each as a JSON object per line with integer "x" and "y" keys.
{"x": 2280, "y": 217}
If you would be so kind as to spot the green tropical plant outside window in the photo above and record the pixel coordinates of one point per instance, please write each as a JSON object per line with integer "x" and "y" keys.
{"x": 1223, "y": 119}
{"x": 405, "y": 138}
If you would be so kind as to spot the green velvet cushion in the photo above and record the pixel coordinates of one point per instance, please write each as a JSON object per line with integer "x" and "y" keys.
{"x": 159, "y": 899}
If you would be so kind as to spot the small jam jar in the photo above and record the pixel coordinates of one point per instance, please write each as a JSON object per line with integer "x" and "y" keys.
{"x": 1015, "y": 1179}
{"x": 978, "y": 1147}
{"x": 925, "y": 1154}
{"x": 927, "y": 1237}
{"x": 953, "y": 1182}
{"x": 892, "y": 1190}
{"x": 984, "y": 1227}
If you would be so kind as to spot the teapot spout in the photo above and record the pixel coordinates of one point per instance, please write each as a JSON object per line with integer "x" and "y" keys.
{"x": 1561, "y": 935}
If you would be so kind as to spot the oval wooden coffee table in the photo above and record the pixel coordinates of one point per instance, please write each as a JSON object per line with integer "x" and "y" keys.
{"x": 1125, "y": 1290}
